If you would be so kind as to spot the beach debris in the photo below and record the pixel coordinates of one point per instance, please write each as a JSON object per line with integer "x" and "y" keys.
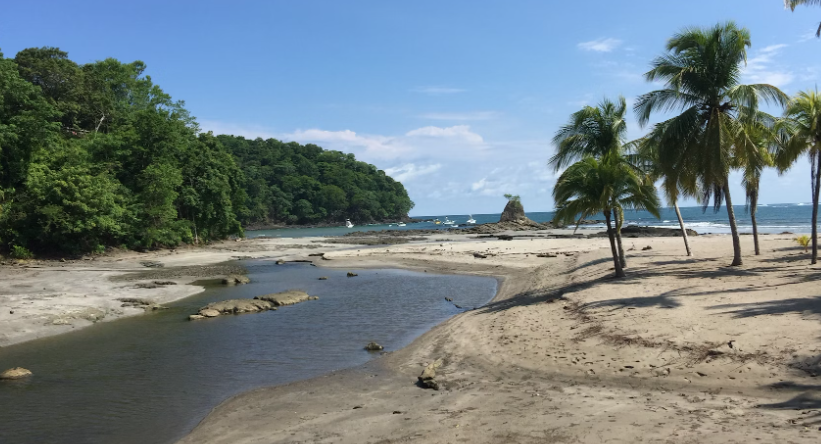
{"x": 280, "y": 262}
{"x": 352, "y": 274}
{"x": 373, "y": 346}
{"x": 504, "y": 237}
{"x": 316, "y": 254}
{"x": 152, "y": 264}
{"x": 235, "y": 279}
{"x": 11, "y": 312}
{"x": 289, "y": 297}
{"x": 661, "y": 372}
{"x": 478, "y": 255}
{"x": 647, "y": 248}
{"x": 15, "y": 373}
{"x": 323, "y": 278}
{"x": 357, "y": 407}
{"x": 426, "y": 379}
{"x": 547, "y": 255}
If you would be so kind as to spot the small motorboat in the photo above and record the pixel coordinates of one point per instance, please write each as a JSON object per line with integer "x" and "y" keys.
{"x": 448, "y": 221}
{"x": 400, "y": 224}
{"x": 348, "y": 223}
{"x": 471, "y": 220}
{"x": 437, "y": 221}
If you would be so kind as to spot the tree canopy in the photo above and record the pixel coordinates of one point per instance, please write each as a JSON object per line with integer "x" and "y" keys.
{"x": 95, "y": 155}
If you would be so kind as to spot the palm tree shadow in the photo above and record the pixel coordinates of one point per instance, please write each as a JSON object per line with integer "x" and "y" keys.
{"x": 775, "y": 307}
{"x": 808, "y": 399}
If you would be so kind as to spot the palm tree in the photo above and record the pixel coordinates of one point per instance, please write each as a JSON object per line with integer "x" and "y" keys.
{"x": 793, "y": 3}
{"x": 590, "y": 186}
{"x": 597, "y": 132}
{"x": 645, "y": 154}
{"x": 701, "y": 71}
{"x": 803, "y": 135}
{"x": 755, "y": 138}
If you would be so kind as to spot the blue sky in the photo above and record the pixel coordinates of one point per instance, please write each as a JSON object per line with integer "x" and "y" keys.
{"x": 456, "y": 99}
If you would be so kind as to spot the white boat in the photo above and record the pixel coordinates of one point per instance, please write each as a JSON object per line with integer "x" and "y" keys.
{"x": 471, "y": 220}
{"x": 400, "y": 224}
{"x": 448, "y": 221}
{"x": 348, "y": 223}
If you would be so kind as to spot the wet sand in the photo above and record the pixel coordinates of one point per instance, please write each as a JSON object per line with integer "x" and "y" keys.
{"x": 682, "y": 350}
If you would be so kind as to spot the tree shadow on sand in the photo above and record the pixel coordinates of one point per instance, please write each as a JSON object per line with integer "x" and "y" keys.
{"x": 809, "y": 400}
{"x": 810, "y": 305}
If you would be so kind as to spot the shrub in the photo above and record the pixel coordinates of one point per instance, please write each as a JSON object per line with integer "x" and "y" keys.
{"x": 804, "y": 241}
{"x": 19, "y": 252}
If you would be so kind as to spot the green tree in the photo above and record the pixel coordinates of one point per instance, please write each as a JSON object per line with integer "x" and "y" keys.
{"x": 701, "y": 71}
{"x": 590, "y": 186}
{"x": 597, "y": 132}
{"x": 802, "y": 135}
{"x": 59, "y": 79}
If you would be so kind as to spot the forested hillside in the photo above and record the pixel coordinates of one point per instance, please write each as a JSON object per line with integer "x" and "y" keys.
{"x": 97, "y": 155}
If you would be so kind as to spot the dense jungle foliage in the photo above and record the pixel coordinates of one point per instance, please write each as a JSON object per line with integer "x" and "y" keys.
{"x": 97, "y": 155}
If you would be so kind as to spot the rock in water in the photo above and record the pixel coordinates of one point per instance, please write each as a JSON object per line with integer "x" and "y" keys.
{"x": 373, "y": 346}
{"x": 352, "y": 274}
{"x": 514, "y": 211}
{"x": 15, "y": 373}
{"x": 289, "y": 297}
{"x": 235, "y": 279}
{"x": 236, "y": 306}
{"x": 323, "y": 278}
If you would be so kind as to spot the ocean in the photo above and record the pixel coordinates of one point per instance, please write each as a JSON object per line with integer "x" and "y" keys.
{"x": 772, "y": 218}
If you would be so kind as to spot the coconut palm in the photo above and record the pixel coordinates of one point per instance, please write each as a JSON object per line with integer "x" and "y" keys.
{"x": 598, "y": 132}
{"x": 701, "y": 72}
{"x": 793, "y": 3}
{"x": 645, "y": 154}
{"x": 755, "y": 138}
{"x": 803, "y": 135}
{"x": 590, "y": 186}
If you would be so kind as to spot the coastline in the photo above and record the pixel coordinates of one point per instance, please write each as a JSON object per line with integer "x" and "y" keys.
{"x": 553, "y": 359}
{"x": 562, "y": 353}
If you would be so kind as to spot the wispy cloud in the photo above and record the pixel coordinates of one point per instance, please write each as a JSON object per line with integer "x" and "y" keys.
{"x": 410, "y": 171}
{"x": 476, "y": 115}
{"x": 454, "y": 132}
{"x": 762, "y": 68}
{"x": 600, "y": 45}
{"x": 437, "y": 90}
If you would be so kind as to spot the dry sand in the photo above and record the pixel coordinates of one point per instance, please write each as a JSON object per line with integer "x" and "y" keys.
{"x": 683, "y": 350}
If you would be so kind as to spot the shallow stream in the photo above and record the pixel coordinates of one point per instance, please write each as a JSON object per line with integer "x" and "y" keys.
{"x": 152, "y": 378}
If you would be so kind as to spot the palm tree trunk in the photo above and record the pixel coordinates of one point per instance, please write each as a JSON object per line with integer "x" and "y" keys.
{"x": 816, "y": 169}
{"x": 619, "y": 223}
{"x": 683, "y": 229}
{"x": 616, "y": 260}
{"x": 753, "y": 208}
{"x": 733, "y": 227}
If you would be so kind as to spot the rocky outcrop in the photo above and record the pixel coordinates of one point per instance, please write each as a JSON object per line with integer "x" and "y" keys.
{"x": 15, "y": 373}
{"x": 513, "y": 211}
{"x": 235, "y": 279}
{"x": 255, "y": 305}
{"x": 289, "y": 297}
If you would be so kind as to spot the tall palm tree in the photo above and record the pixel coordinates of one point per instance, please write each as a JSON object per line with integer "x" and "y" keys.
{"x": 793, "y": 3}
{"x": 701, "y": 72}
{"x": 598, "y": 132}
{"x": 645, "y": 154}
{"x": 590, "y": 186}
{"x": 803, "y": 129}
{"x": 756, "y": 137}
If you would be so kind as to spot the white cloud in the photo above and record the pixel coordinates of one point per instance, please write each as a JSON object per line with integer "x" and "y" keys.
{"x": 409, "y": 171}
{"x": 457, "y": 132}
{"x": 762, "y": 68}
{"x": 600, "y": 45}
{"x": 437, "y": 90}
{"x": 374, "y": 145}
{"x": 476, "y": 115}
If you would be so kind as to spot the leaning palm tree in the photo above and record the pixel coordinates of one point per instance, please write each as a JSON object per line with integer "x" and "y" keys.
{"x": 598, "y": 132}
{"x": 803, "y": 131}
{"x": 590, "y": 186}
{"x": 701, "y": 73}
{"x": 793, "y": 3}
{"x": 644, "y": 154}
{"x": 755, "y": 138}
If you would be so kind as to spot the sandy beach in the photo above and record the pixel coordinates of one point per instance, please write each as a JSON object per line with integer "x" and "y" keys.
{"x": 682, "y": 350}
